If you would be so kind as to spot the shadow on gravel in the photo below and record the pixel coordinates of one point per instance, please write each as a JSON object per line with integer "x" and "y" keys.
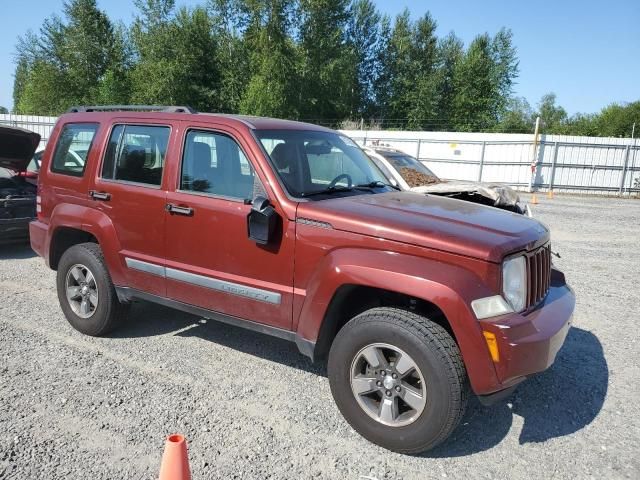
{"x": 150, "y": 319}
{"x": 16, "y": 251}
{"x": 558, "y": 402}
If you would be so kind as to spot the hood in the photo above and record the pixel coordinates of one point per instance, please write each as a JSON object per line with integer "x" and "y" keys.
{"x": 17, "y": 147}
{"x": 501, "y": 195}
{"x": 429, "y": 221}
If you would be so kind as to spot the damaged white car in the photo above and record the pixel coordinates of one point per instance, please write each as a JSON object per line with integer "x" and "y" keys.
{"x": 410, "y": 174}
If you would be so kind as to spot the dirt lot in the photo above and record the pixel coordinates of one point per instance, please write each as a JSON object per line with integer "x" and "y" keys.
{"x": 251, "y": 407}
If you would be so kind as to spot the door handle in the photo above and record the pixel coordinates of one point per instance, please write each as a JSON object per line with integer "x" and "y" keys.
{"x": 186, "y": 211}
{"x": 100, "y": 195}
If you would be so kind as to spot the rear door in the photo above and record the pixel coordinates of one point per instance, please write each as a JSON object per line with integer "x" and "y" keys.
{"x": 129, "y": 189}
{"x": 211, "y": 262}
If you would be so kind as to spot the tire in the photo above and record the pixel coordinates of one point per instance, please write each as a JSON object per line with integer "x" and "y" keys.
{"x": 103, "y": 312}
{"x": 438, "y": 373}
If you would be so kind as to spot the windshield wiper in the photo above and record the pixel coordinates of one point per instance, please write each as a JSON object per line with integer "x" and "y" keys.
{"x": 327, "y": 191}
{"x": 377, "y": 184}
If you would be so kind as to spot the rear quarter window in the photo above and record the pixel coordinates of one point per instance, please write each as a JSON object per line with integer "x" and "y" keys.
{"x": 72, "y": 149}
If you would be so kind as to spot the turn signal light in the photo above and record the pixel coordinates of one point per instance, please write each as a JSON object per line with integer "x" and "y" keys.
{"x": 492, "y": 343}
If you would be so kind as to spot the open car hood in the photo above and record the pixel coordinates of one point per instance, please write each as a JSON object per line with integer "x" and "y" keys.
{"x": 502, "y": 195}
{"x": 17, "y": 147}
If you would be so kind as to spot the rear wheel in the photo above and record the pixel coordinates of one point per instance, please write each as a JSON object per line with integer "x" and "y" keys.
{"x": 398, "y": 379}
{"x": 86, "y": 293}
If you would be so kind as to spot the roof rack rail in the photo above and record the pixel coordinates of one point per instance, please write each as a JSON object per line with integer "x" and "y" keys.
{"x": 132, "y": 108}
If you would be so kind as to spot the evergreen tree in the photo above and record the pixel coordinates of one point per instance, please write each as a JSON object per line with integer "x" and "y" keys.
{"x": 364, "y": 38}
{"x": 400, "y": 71}
{"x": 67, "y": 62}
{"x": 270, "y": 90}
{"x": 232, "y": 56}
{"x": 449, "y": 52}
{"x": 474, "y": 102}
{"x": 176, "y": 56}
{"x": 327, "y": 70}
{"x": 424, "y": 97}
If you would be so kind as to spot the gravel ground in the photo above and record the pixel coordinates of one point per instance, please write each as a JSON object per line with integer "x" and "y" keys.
{"x": 251, "y": 407}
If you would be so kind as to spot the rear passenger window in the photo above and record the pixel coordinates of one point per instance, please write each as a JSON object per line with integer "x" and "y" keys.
{"x": 136, "y": 153}
{"x": 214, "y": 163}
{"x": 73, "y": 146}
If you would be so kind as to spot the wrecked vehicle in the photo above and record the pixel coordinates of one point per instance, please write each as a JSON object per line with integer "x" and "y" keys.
{"x": 410, "y": 174}
{"x": 17, "y": 192}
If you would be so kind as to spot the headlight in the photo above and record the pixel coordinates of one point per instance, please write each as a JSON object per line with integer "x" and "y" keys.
{"x": 514, "y": 282}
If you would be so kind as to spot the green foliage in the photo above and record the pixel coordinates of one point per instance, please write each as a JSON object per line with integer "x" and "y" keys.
{"x": 474, "y": 103}
{"x": 321, "y": 60}
{"x": 364, "y": 39}
{"x": 3, "y": 110}
{"x": 518, "y": 117}
{"x": 69, "y": 61}
{"x": 327, "y": 69}
{"x": 270, "y": 90}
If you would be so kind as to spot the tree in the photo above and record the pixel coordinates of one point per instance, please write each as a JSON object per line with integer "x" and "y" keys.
{"x": 271, "y": 89}
{"x": 232, "y": 55}
{"x": 176, "y": 56}
{"x": 68, "y": 61}
{"x": 399, "y": 70}
{"x": 475, "y": 91}
{"x": 363, "y": 33}
{"x": 326, "y": 68}
{"x": 617, "y": 120}
{"x": 3, "y": 110}
{"x": 382, "y": 82}
{"x": 424, "y": 98}
{"x": 505, "y": 68}
{"x": 517, "y": 118}
{"x": 553, "y": 116}
{"x": 449, "y": 52}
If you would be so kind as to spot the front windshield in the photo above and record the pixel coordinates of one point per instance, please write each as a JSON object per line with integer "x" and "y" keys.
{"x": 315, "y": 163}
{"x": 413, "y": 171}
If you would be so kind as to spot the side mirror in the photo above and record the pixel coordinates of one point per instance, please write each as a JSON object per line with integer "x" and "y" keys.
{"x": 261, "y": 221}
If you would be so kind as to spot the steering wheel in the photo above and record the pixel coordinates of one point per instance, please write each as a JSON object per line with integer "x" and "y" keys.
{"x": 346, "y": 176}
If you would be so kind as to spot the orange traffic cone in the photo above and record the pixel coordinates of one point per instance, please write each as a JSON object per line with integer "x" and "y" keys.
{"x": 550, "y": 194}
{"x": 534, "y": 200}
{"x": 175, "y": 462}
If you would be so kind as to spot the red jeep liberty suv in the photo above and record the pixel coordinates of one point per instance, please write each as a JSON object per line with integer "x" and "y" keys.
{"x": 290, "y": 229}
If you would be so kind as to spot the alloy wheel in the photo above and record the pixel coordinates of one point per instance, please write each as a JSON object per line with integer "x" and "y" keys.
{"x": 82, "y": 291}
{"x": 388, "y": 385}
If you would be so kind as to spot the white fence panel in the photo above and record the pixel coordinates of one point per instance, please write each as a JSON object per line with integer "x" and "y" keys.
{"x": 563, "y": 163}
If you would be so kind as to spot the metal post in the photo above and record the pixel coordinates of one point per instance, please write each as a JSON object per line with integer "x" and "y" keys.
{"x": 419, "y": 147}
{"x": 484, "y": 146}
{"x": 624, "y": 168}
{"x": 534, "y": 150}
{"x": 553, "y": 165}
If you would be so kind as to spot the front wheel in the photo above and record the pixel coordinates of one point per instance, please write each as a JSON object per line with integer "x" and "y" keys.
{"x": 86, "y": 293}
{"x": 398, "y": 379}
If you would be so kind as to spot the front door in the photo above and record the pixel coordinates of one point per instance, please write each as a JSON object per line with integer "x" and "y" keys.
{"x": 129, "y": 191}
{"x": 211, "y": 262}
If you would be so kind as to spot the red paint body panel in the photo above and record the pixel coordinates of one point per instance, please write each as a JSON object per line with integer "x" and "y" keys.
{"x": 440, "y": 250}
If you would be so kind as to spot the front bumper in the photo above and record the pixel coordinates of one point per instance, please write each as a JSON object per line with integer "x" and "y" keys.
{"x": 528, "y": 344}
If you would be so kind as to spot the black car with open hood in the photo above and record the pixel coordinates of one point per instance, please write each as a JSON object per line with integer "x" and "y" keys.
{"x": 17, "y": 195}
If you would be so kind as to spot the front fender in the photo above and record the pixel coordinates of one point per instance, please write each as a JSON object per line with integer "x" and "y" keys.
{"x": 450, "y": 287}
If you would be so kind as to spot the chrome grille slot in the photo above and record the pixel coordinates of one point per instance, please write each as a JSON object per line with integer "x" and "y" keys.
{"x": 538, "y": 275}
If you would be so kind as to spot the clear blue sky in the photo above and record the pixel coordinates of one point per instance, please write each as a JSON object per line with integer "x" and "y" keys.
{"x": 586, "y": 51}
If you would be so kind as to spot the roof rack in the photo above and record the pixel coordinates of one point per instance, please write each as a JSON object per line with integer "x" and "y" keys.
{"x": 132, "y": 108}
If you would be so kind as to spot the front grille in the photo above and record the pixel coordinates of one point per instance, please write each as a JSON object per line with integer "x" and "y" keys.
{"x": 538, "y": 275}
